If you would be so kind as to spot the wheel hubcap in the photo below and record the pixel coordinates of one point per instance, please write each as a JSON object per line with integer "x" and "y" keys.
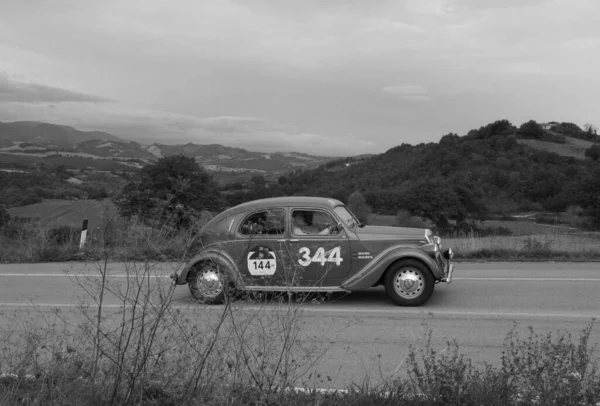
{"x": 409, "y": 283}
{"x": 209, "y": 283}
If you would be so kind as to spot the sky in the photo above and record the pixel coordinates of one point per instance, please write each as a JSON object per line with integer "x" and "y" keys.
{"x": 324, "y": 77}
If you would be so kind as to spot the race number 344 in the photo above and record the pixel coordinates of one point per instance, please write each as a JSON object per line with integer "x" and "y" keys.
{"x": 320, "y": 256}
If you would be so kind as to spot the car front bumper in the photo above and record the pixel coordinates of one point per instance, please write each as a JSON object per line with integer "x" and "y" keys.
{"x": 449, "y": 272}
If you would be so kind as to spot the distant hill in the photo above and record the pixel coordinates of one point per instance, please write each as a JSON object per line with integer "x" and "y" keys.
{"x": 48, "y": 134}
{"x": 35, "y": 140}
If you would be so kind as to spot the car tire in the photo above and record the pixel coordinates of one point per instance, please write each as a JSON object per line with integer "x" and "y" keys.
{"x": 409, "y": 282}
{"x": 208, "y": 283}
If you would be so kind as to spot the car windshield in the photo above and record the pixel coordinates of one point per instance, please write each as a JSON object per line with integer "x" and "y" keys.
{"x": 346, "y": 216}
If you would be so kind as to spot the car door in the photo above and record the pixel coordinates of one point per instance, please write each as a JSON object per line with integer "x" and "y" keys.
{"x": 320, "y": 250}
{"x": 264, "y": 255}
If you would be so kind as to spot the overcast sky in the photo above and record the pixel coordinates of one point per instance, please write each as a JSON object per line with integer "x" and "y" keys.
{"x": 326, "y": 77}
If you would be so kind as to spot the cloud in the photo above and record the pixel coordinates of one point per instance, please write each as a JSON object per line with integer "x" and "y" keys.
{"x": 148, "y": 126}
{"x": 15, "y": 91}
{"x": 487, "y": 5}
{"x": 410, "y": 92}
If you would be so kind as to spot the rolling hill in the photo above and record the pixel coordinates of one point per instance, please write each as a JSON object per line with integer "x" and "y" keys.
{"x": 47, "y": 134}
{"x": 26, "y": 142}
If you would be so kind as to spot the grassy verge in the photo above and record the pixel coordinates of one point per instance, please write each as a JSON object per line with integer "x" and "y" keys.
{"x": 120, "y": 240}
{"x": 152, "y": 354}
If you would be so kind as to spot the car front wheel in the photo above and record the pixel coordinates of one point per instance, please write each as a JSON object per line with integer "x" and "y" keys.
{"x": 208, "y": 283}
{"x": 409, "y": 283}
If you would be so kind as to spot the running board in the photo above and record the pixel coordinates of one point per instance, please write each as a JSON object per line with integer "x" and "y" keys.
{"x": 295, "y": 289}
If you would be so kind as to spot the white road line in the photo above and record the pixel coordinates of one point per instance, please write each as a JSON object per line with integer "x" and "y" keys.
{"x": 352, "y": 310}
{"x": 83, "y": 275}
{"x": 528, "y": 279}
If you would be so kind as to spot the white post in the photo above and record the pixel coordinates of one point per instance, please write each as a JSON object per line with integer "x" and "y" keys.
{"x": 83, "y": 233}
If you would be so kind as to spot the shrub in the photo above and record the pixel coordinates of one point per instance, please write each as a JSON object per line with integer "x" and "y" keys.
{"x": 593, "y": 152}
{"x": 63, "y": 235}
{"x": 405, "y": 219}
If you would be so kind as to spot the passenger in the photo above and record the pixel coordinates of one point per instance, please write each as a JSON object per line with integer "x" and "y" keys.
{"x": 300, "y": 226}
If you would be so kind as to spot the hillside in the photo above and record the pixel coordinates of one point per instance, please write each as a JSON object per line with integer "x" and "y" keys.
{"x": 491, "y": 171}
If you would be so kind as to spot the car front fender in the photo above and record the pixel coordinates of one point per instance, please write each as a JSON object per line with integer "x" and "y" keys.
{"x": 370, "y": 274}
{"x": 214, "y": 255}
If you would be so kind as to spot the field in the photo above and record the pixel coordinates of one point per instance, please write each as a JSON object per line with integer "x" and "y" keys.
{"x": 54, "y": 213}
{"x": 574, "y": 147}
{"x": 75, "y": 162}
{"x": 518, "y": 227}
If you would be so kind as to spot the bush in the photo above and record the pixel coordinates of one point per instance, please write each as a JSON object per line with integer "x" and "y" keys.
{"x": 4, "y": 217}
{"x": 405, "y": 219}
{"x": 63, "y": 235}
{"x": 593, "y": 152}
{"x": 30, "y": 197}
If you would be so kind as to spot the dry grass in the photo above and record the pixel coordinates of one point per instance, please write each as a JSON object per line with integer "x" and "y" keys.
{"x": 572, "y": 148}
{"x": 558, "y": 245}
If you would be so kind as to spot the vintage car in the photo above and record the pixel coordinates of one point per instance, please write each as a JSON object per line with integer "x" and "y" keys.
{"x": 312, "y": 244}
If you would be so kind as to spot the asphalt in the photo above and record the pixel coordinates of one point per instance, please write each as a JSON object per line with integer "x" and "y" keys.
{"x": 363, "y": 333}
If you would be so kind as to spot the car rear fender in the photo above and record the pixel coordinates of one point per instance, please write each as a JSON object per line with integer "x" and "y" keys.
{"x": 216, "y": 256}
{"x": 374, "y": 270}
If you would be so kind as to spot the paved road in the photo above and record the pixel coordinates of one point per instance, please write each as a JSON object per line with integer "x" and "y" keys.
{"x": 363, "y": 331}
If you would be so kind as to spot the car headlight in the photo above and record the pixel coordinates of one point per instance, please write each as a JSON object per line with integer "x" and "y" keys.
{"x": 448, "y": 254}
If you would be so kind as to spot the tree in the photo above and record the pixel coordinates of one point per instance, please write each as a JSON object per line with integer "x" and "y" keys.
{"x": 4, "y": 217}
{"x": 531, "y": 129}
{"x": 174, "y": 188}
{"x": 358, "y": 205}
{"x": 440, "y": 202}
{"x": 593, "y": 152}
{"x": 591, "y": 129}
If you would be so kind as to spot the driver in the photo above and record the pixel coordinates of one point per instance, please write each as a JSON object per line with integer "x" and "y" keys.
{"x": 300, "y": 226}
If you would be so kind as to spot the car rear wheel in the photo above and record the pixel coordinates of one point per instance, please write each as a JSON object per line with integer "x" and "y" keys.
{"x": 208, "y": 283}
{"x": 409, "y": 283}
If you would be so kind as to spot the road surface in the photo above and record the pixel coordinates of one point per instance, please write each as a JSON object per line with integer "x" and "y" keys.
{"x": 364, "y": 333}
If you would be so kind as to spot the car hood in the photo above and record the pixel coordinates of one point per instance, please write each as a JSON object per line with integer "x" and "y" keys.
{"x": 391, "y": 233}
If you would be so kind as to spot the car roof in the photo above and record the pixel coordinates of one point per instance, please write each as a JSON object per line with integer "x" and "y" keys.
{"x": 284, "y": 201}
{"x": 288, "y": 201}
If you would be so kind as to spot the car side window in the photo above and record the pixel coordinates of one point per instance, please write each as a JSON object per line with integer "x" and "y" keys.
{"x": 270, "y": 222}
{"x": 313, "y": 222}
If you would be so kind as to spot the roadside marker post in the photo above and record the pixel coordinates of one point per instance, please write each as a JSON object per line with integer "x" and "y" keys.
{"x": 83, "y": 233}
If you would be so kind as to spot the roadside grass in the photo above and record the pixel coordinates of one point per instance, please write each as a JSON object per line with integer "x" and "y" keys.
{"x": 30, "y": 242}
{"x": 549, "y": 246}
{"x": 157, "y": 355}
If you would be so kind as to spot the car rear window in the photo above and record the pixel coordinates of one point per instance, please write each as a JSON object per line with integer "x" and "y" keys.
{"x": 271, "y": 222}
